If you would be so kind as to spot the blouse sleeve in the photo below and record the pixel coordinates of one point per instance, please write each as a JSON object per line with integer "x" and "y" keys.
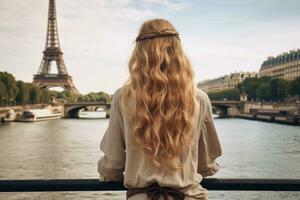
{"x": 111, "y": 166}
{"x": 209, "y": 147}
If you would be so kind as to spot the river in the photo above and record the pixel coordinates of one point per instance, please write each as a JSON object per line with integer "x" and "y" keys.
{"x": 69, "y": 148}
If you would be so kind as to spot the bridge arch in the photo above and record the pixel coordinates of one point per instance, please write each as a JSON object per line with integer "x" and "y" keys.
{"x": 227, "y": 108}
{"x": 220, "y": 110}
{"x": 72, "y": 110}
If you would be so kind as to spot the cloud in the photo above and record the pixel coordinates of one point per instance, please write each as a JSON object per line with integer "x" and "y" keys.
{"x": 239, "y": 49}
{"x": 173, "y": 5}
{"x": 97, "y": 36}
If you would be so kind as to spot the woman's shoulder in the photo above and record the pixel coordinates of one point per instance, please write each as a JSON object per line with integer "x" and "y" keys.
{"x": 117, "y": 96}
{"x": 202, "y": 96}
{"x": 118, "y": 92}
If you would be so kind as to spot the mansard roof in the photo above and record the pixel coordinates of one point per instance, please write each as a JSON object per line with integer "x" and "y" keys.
{"x": 281, "y": 59}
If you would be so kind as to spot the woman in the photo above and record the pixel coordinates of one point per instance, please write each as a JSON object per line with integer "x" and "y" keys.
{"x": 161, "y": 138}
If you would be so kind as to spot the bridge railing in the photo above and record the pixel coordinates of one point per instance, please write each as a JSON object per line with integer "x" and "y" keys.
{"x": 56, "y": 185}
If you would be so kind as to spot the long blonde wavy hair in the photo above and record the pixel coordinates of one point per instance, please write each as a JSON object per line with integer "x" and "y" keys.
{"x": 162, "y": 85}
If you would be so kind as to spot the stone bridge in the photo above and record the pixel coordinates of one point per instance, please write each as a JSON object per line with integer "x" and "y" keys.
{"x": 71, "y": 109}
{"x": 227, "y": 108}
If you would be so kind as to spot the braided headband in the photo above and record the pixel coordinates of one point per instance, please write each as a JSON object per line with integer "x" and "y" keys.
{"x": 152, "y": 35}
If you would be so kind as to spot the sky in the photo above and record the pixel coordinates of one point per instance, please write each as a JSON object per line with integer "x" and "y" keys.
{"x": 97, "y": 36}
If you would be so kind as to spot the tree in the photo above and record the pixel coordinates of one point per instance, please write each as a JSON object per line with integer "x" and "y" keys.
{"x": 70, "y": 96}
{"x": 282, "y": 90}
{"x": 263, "y": 92}
{"x": 10, "y": 84}
{"x": 35, "y": 95}
{"x": 249, "y": 86}
{"x": 230, "y": 94}
{"x": 3, "y": 93}
{"x": 102, "y": 96}
{"x": 23, "y": 93}
{"x": 45, "y": 96}
{"x": 274, "y": 83}
{"x": 295, "y": 86}
{"x": 61, "y": 95}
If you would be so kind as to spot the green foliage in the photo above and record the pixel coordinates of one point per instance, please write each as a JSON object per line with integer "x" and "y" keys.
{"x": 295, "y": 87}
{"x": 18, "y": 92}
{"x": 251, "y": 85}
{"x": 3, "y": 93}
{"x": 230, "y": 94}
{"x": 61, "y": 95}
{"x": 92, "y": 96}
{"x": 262, "y": 89}
{"x": 10, "y": 84}
{"x": 69, "y": 96}
{"x": 35, "y": 95}
{"x": 45, "y": 96}
{"x": 23, "y": 93}
{"x": 278, "y": 89}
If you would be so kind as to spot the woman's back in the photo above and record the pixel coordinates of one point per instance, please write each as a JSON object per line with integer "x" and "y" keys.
{"x": 161, "y": 129}
{"x": 123, "y": 154}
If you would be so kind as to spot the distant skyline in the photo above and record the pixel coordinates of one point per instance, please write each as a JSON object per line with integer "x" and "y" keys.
{"x": 97, "y": 36}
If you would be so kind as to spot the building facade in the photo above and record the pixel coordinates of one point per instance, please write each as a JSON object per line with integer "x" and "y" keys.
{"x": 225, "y": 82}
{"x": 285, "y": 66}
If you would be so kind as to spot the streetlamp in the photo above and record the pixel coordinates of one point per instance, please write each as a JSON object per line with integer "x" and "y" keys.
{"x": 10, "y": 102}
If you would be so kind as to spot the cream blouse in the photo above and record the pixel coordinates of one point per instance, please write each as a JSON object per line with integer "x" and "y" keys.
{"x": 125, "y": 161}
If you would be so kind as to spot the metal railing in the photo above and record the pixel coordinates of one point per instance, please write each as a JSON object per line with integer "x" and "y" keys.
{"x": 57, "y": 185}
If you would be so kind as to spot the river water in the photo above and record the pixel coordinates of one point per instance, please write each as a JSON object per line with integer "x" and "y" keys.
{"x": 69, "y": 148}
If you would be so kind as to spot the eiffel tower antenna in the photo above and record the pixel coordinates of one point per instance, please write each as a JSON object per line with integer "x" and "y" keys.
{"x": 52, "y": 53}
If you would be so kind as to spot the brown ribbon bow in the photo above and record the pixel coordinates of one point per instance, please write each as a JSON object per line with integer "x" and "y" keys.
{"x": 154, "y": 192}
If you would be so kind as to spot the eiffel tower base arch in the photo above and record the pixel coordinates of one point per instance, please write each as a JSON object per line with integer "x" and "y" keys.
{"x": 54, "y": 80}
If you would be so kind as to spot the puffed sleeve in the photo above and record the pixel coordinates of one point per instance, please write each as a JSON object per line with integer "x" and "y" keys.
{"x": 111, "y": 166}
{"x": 209, "y": 147}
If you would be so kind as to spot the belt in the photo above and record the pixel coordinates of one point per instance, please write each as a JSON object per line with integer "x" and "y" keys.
{"x": 154, "y": 192}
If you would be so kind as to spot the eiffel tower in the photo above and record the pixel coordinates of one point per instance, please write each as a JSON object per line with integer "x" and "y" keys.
{"x": 52, "y": 52}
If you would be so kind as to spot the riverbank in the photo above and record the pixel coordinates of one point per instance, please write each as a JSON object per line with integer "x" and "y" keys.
{"x": 275, "y": 112}
{"x": 269, "y": 118}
